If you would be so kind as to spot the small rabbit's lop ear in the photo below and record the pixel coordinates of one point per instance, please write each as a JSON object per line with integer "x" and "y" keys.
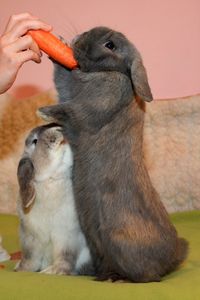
{"x": 25, "y": 174}
{"x": 139, "y": 78}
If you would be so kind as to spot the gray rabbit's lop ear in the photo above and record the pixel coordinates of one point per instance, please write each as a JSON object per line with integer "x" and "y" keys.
{"x": 52, "y": 113}
{"x": 25, "y": 174}
{"x": 139, "y": 78}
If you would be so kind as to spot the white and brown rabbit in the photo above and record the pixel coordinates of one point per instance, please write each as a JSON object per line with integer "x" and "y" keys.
{"x": 102, "y": 111}
{"x": 51, "y": 239}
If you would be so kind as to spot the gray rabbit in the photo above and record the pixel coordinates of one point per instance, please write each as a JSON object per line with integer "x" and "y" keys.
{"x": 102, "y": 111}
{"x": 51, "y": 239}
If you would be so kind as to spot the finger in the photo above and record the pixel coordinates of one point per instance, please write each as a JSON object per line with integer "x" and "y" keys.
{"x": 16, "y": 18}
{"x": 21, "y": 28}
{"x": 35, "y": 48}
{"x": 25, "y": 25}
{"x": 24, "y": 43}
{"x": 28, "y": 55}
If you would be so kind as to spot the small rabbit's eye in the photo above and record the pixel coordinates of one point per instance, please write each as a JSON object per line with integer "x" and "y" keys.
{"x": 34, "y": 141}
{"x": 110, "y": 45}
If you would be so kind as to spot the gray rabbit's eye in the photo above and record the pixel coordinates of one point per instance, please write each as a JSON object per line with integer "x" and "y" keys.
{"x": 34, "y": 141}
{"x": 110, "y": 45}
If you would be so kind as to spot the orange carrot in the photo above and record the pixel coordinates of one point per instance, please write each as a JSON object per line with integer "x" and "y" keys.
{"x": 54, "y": 47}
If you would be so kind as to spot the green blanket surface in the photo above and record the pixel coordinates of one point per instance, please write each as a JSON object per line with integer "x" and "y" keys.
{"x": 181, "y": 284}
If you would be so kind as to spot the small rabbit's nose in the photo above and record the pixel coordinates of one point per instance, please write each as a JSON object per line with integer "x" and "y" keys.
{"x": 52, "y": 139}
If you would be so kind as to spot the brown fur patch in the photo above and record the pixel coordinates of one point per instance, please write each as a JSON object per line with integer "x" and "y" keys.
{"x": 135, "y": 228}
{"x": 18, "y": 117}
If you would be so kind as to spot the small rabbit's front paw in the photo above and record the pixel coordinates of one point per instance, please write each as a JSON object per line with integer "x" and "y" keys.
{"x": 22, "y": 265}
{"x": 17, "y": 266}
{"x": 26, "y": 266}
{"x": 58, "y": 269}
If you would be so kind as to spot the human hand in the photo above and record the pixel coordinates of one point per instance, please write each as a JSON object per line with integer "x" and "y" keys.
{"x": 16, "y": 48}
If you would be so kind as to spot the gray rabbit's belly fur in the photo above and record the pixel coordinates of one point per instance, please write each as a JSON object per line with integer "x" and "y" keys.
{"x": 126, "y": 226}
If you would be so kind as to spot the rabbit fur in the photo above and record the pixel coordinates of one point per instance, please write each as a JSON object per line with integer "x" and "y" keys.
{"x": 102, "y": 111}
{"x": 51, "y": 239}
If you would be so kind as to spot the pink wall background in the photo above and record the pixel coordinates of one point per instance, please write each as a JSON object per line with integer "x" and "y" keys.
{"x": 167, "y": 33}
